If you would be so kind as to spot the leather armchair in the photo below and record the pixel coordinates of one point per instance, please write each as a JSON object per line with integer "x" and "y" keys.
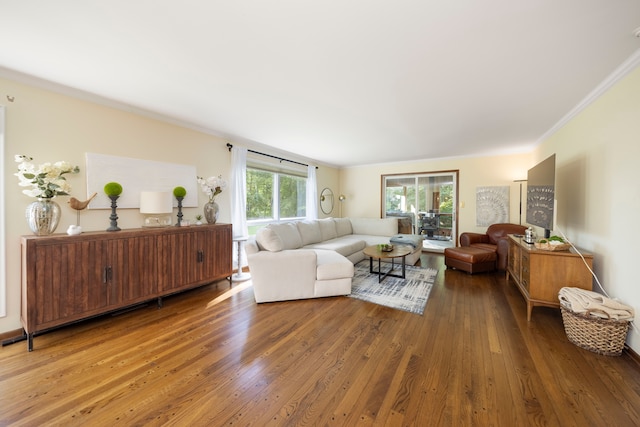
{"x": 495, "y": 239}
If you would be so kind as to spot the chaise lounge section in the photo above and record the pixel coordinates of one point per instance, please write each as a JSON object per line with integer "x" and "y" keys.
{"x": 315, "y": 258}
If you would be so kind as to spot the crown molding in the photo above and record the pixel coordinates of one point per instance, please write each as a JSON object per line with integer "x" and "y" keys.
{"x": 618, "y": 74}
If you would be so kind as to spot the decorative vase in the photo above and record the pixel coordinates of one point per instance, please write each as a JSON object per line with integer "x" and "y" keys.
{"x": 43, "y": 216}
{"x": 113, "y": 226}
{"x": 211, "y": 211}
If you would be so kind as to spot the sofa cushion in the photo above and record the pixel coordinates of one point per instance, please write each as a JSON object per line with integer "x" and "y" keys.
{"x": 485, "y": 246}
{"x": 375, "y": 226}
{"x": 289, "y": 234}
{"x": 332, "y": 266}
{"x": 309, "y": 232}
{"x": 343, "y": 226}
{"x": 268, "y": 240}
{"x": 327, "y": 229}
{"x": 345, "y": 245}
{"x": 278, "y": 237}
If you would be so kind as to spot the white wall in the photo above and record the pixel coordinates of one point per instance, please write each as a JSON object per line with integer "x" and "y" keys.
{"x": 49, "y": 126}
{"x": 363, "y": 185}
{"x": 598, "y": 173}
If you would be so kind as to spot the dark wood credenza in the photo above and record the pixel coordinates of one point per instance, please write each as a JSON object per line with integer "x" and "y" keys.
{"x": 540, "y": 274}
{"x": 69, "y": 278}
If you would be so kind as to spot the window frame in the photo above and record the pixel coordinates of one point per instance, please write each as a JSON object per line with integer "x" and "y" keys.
{"x": 277, "y": 172}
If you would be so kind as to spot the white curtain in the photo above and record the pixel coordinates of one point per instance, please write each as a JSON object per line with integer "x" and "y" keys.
{"x": 312, "y": 193}
{"x": 239, "y": 192}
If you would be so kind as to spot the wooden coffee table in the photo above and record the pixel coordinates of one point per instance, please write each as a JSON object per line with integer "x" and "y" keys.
{"x": 399, "y": 251}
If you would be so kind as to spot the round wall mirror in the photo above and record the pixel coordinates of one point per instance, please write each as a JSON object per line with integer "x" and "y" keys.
{"x": 326, "y": 201}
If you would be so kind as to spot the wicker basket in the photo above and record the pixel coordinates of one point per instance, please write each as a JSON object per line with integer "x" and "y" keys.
{"x": 550, "y": 247}
{"x": 602, "y": 336}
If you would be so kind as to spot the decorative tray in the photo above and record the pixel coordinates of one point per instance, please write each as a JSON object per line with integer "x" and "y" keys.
{"x": 549, "y": 247}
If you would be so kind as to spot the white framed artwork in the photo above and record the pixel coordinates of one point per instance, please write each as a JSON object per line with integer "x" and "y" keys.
{"x": 135, "y": 176}
{"x": 492, "y": 205}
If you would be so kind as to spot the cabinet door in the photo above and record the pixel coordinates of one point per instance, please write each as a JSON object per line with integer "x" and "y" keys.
{"x": 220, "y": 256}
{"x": 180, "y": 260}
{"x": 194, "y": 257}
{"x": 131, "y": 270}
{"x": 514, "y": 259}
{"x": 66, "y": 282}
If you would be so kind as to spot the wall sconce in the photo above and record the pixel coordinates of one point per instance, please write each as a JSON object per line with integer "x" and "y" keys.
{"x": 157, "y": 207}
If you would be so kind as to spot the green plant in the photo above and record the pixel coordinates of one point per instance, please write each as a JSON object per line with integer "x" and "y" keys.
{"x": 198, "y": 217}
{"x": 112, "y": 189}
{"x": 179, "y": 192}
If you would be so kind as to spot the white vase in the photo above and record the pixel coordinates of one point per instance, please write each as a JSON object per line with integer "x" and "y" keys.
{"x": 211, "y": 212}
{"x": 43, "y": 216}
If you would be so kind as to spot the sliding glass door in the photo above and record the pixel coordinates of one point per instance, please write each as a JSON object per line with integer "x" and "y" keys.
{"x": 426, "y": 203}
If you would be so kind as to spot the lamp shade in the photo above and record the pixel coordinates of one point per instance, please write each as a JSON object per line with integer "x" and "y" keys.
{"x": 156, "y": 202}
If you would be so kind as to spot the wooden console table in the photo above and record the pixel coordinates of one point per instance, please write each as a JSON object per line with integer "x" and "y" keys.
{"x": 540, "y": 274}
{"x": 70, "y": 278}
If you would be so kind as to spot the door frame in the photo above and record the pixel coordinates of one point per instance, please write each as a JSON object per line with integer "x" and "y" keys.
{"x": 455, "y": 176}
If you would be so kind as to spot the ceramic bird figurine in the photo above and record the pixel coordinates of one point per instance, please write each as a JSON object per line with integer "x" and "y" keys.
{"x": 78, "y": 205}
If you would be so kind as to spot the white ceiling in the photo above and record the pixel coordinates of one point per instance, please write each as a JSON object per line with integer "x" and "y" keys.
{"x": 343, "y": 82}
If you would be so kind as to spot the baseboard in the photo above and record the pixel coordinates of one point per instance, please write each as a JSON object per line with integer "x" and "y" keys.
{"x": 11, "y": 336}
{"x": 634, "y": 356}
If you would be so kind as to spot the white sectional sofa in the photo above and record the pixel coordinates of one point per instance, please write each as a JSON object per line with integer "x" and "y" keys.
{"x": 311, "y": 259}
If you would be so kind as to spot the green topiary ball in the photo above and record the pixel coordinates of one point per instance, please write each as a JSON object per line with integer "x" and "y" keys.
{"x": 179, "y": 192}
{"x": 113, "y": 189}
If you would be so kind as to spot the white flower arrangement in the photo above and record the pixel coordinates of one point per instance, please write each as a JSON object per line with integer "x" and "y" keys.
{"x": 212, "y": 186}
{"x": 47, "y": 180}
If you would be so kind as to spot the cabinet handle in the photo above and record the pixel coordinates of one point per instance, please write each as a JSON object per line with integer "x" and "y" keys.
{"x": 107, "y": 274}
{"x": 200, "y": 255}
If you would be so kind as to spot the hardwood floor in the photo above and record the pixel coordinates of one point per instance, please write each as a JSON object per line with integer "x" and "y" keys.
{"x": 213, "y": 357}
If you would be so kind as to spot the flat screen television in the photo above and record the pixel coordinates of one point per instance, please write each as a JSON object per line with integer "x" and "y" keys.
{"x": 541, "y": 182}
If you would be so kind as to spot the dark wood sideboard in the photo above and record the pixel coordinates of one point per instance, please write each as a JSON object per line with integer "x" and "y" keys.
{"x": 540, "y": 274}
{"x": 70, "y": 278}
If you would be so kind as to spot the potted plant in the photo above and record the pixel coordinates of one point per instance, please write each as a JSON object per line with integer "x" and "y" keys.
{"x": 113, "y": 191}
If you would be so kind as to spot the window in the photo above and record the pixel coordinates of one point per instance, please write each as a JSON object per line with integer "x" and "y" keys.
{"x": 274, "y": 196}
{"x": 425, "y": 200}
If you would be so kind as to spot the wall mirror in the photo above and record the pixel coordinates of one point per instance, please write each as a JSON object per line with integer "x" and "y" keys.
{"x": 326, "y": 201}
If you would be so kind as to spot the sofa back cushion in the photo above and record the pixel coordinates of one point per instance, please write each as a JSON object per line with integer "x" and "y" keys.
{"x": 279, "y": 237}
{"x": 375, "y": 226}
{"x": 343, "y": 226}
{"x": 327, "y": 229}
{"x": 309, "y": 232}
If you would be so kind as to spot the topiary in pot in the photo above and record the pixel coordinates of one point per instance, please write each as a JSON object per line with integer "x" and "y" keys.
{"x": 113, "y": 190}
{"x": 179, "y": 193}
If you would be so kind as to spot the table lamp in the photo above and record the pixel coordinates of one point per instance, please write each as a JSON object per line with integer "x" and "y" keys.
{"x": 157, "y": 207}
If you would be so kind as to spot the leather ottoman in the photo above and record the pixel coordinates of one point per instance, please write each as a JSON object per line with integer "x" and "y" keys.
{"x": 469, "y": 259}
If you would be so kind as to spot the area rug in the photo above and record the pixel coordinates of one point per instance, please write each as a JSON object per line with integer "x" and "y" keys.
{"x": 409, "y": 294}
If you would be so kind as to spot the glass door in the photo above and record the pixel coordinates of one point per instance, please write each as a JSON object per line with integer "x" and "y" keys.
{"x": 425, "y": 203}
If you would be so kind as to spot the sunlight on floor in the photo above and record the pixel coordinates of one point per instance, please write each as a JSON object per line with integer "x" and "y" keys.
{"x": 231, "y": 292}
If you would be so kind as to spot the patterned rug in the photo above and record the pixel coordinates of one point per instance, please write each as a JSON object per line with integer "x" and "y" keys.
{"x": 408, "y": 294}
